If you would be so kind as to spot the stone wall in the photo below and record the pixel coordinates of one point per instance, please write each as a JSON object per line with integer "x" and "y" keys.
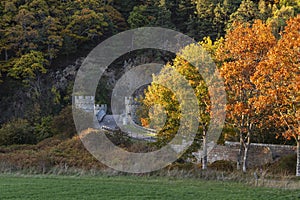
{"x": 259, "y": 154}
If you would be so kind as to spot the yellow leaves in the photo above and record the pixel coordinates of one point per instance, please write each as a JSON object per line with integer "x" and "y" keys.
{"x": 28, "y": 66}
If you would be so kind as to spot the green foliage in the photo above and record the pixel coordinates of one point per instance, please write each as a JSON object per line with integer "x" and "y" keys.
{"x": 150, "y": 15}
{"x": 279, "y": 18}
{"x": 52, "y": 26}
{"x": 265, "y": 10}
{"x": 28, "y": 66}
{"x": 202, "y": 23}
{"x": 18, "y": 131}
{"x": 171, "y": 85}
{"x": 43, "y": 130}
{"x": 247, "y": 12}
{"x": 116, "y": 22}
{"x": 126, "y": 6}
{"x": 290, "y": 3}
{"x": 182, "y": 12}
{"x": 34, "y": 38}
{"x": 137, "y": 19}
{"x": 211, "y": 46}
{"x": 85, "y": 25}
{"x": 211, "y": 18}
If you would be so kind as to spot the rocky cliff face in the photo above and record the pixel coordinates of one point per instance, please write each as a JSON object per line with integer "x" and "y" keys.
{"x": 39, "y": 97}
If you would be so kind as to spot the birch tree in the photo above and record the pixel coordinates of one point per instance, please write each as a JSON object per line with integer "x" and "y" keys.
{"x": 277, "y": 78}
{"x": 244, "y": 47}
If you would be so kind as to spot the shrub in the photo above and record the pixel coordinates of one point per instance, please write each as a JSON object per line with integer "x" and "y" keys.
{"x": 63, "y": 124}
{"x": 141, "y": 147}
{"x": 286, "y": 164}
{"x": 119, "y": 138}
{"x": 43, "y": 129}
{"x": 18, "y": 131}
{"x": 223, "y": 165}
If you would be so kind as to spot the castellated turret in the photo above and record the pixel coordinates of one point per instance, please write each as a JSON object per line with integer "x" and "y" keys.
{"x": 86, "y": 103}
{"x": 131, "y": 107}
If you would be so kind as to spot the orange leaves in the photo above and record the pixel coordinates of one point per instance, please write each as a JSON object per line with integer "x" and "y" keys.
{"x": 244, "y": 47}
{"x": 241, "y": 108}
{"x": 279, "y": 76}
{"x": 145, "y": 122}
{"x": 247, "y": 42}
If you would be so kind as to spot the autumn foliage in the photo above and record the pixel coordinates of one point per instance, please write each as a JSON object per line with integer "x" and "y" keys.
{"x": 244, "y": 48}
{"x": 262, "y": 76}
{"x": 278, "y": 81}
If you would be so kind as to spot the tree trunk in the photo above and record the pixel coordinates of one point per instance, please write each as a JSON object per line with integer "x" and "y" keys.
{"x": 204, "y": 156}
{"x": 245, "y": 160}
{"x": 239, "y": 156}
{"x": 246, "y": 153}
{"x": 298, "y": 157}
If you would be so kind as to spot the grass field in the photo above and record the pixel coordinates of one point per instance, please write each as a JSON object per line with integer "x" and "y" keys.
{"x": 129, "y": 187}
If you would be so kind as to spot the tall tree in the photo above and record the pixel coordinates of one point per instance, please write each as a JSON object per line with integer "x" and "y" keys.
{"x": 150, "y": 14}
{"x": 158, "y": 94}
{"x": 279, "y": 18}
{"x": 220, "y": 19}
{"x": 246, "y": 13}
{"x": 125, "y": 6}
{"x": 201, "y": 24}
{"x": 182, "y": 13}
{"x": 243, "y": 49}
{"x": 277, "y": 78}
{"x": 86, "y": 24}
{"x": 265, "y": 10}
{"x": 231, "y": 5}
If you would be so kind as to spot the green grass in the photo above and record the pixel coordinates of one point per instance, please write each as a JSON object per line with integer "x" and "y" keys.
{"x": 129, "y": 187}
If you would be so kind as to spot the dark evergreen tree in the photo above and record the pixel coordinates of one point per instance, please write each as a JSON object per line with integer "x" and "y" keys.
{"x": 125, "y": 6}
{"x": 202, "y": 24}
{"x": 150, "y": 14}
{"x": 247, "y": 12}
{"x": 265, "y": 10}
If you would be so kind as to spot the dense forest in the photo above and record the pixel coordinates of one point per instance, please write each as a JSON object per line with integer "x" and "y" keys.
{"x": 44, "y": 42}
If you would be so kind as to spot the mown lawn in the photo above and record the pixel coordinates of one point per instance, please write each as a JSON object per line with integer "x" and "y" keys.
{"x": 129, "y": 187}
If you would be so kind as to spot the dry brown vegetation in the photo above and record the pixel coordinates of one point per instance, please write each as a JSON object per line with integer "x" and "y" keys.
{"x": 56, "y": 156}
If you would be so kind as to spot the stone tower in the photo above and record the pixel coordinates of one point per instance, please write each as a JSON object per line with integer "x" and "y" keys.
{"x": 131, "y": 107}
{"x": 86, "y": 103}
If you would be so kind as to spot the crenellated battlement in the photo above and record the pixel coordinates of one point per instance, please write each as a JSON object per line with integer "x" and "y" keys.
{"x": 98, "y": 107}
{"x": 85, "y": 102}
{"x": 84, "y": 98}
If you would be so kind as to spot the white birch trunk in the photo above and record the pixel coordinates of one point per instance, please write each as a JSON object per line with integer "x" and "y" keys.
{"x": 298, "y": 157}
{"x": 204, "y": 156}
{"x": 239, "y": 156}
{"x": 246, "y": 153}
